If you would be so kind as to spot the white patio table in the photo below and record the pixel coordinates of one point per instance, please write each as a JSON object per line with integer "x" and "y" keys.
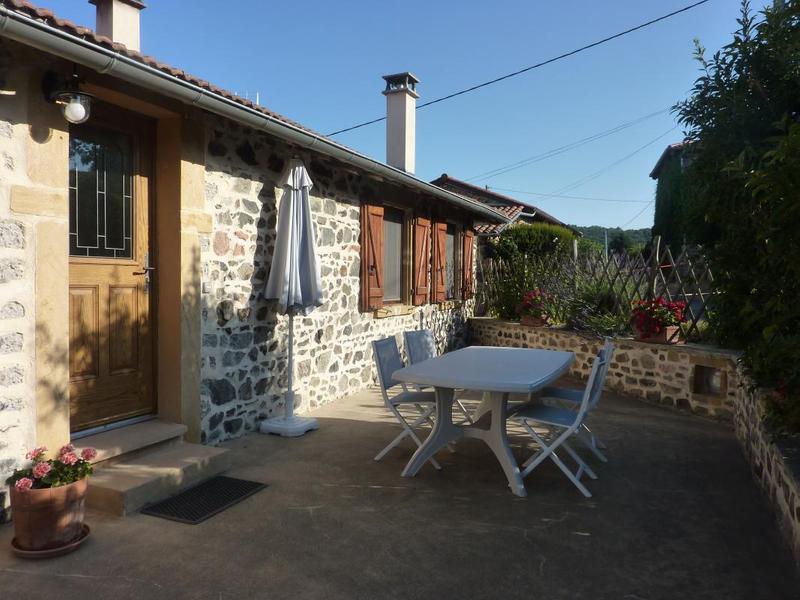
{"x": 499, "y": 371}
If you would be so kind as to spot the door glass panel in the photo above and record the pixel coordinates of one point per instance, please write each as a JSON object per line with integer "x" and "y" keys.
{"x": 100, "y": 194}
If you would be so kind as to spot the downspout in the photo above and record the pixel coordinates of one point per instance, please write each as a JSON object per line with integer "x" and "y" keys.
{"x": 34, "y": 33}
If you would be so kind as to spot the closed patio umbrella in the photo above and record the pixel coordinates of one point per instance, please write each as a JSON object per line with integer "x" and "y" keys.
{"x": 294, "y": 280}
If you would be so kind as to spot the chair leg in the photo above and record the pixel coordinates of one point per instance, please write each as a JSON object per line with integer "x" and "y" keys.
{"x": 570, "y": 475}
{"x": 549, "y": 451}
{"x": 581, "y": 463}
{"x": 407, "y": 428}
{"x": 408, "y": 431}
{"x": 592, "y": 443}
{"x": 463, "y": 409}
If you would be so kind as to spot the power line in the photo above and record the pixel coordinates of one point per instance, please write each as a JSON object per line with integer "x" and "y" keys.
{"x": 592, "y": 198}
{"x": 638, "y": 214}
{"x": 535, "y": 66}
{"x": 584, "y": 180}
{"x": 565, "y": 148}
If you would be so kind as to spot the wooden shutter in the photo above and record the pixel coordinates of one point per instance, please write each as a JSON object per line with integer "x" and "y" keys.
{"x": 439, "y": 261}
{"x": 467, "y": 279}
{"x": 422, "y": 260}
{"x": 371, "y": 257}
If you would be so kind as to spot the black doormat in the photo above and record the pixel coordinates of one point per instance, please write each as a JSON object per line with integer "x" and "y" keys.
{"x": 201, "y": 502}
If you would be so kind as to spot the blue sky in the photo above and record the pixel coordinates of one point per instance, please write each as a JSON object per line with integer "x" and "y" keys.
{"x": 320, "y": 63}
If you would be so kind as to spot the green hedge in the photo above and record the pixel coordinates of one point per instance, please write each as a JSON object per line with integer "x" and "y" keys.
{"x": 744, "y": 128}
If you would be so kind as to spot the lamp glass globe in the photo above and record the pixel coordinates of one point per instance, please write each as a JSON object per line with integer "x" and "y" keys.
{"x": 75, "y": 111}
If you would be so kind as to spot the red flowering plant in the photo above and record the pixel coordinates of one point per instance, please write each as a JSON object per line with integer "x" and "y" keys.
{"x": 535, "y": 304}
{"x": 67, "y": 467}
{"x": 651, "y": 317}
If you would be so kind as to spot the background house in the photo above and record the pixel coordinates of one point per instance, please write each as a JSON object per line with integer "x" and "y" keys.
{"x": 675, "y": 204}
{"x": 516, "y": 211}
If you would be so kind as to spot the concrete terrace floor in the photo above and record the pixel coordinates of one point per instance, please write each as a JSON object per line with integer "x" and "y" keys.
{"x": 675, "y": 514}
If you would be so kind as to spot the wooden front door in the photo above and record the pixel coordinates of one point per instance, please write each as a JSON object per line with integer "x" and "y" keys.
{"x": 110, "y": 283}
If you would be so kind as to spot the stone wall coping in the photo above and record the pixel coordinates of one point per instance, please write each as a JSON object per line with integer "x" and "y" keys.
{"x": 690, "y": 348}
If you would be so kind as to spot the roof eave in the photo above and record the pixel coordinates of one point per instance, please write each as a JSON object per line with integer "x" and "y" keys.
{"x": 31, "y": 32}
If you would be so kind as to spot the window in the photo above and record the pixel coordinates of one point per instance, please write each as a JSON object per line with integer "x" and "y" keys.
{"x": 392, "y": 254}
{"x": 450, "y": 263}
{"x": 437, "y": 266}
{"x": 100, "y": 194}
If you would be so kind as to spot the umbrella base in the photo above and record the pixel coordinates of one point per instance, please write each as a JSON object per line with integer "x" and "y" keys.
{"x": 288, "y": 426}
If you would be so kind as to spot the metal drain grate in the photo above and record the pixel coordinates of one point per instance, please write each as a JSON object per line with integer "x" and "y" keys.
{"x": 201, "y": 502}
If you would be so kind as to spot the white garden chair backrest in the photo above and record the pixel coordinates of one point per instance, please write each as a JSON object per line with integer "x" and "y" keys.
{"x": 608, "y": 351}
{"x": 387, "y": 361}
{"x": 420, "y": 345}
{"x": 594, "y": 386}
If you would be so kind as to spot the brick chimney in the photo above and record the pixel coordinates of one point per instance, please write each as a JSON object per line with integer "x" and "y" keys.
{"x": 119, "y": 20}
{"x": 401, "y": 122}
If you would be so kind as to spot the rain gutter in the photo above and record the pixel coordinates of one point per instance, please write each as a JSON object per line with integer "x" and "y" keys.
{"x": 32, "y": 32}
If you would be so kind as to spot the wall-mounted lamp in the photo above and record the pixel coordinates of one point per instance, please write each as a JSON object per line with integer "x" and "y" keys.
{"x": 75, "y": 104}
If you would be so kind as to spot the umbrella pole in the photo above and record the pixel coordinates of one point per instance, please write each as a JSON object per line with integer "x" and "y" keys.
{"x": 289, "y": 425}
{"x": 290, "y": 366}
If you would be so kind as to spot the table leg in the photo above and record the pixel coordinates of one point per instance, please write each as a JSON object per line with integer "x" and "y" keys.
{"x": 496, "y": 437}
{"x": 444, "y": 432}
{"x": 484, "y": 407}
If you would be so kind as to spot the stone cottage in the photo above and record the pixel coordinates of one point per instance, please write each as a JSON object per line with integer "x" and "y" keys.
{"x": 137, "y": 221}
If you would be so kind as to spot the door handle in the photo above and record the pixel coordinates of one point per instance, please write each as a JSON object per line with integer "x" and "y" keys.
{"x": 146, "y": 270}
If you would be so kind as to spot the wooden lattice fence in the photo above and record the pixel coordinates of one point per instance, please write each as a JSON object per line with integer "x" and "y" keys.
{"x": 684, "y": 276}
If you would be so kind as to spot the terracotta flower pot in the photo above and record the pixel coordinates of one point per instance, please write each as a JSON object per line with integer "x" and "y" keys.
{"x": 530, "y": 321}
{"x": 661, "y": 338}
{"x": 48, "y": 517}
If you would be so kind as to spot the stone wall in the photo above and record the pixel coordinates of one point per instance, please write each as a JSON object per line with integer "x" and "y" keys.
{"x": 674, "y": 375}
{"x": 775, "y": 462}
{"x": 17, "y": 283}
{"x": 244, "y": 341}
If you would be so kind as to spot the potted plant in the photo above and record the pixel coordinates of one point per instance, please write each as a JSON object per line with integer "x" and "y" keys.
{"x": 533, "y": 310}
{"x": 47, "y": 501}
{"x": 657, "y": 321}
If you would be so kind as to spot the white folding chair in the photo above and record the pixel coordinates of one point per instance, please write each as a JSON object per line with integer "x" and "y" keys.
{"x": 569, "y": 398}
{"x": 420, "y": 346}
{"x": 560, "y": 425}
{"x": 388, "y": 360}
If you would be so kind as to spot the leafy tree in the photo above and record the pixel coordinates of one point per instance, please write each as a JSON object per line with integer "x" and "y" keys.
{"x": 743, "y": 121}
{"x": 597, "y": 234}
{"x": 619, "y": 242}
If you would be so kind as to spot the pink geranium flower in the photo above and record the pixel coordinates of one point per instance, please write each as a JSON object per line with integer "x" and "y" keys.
{"x": 36, "y": 454}
{"x": 41, "y": 469}
{"x": 66, "y": 449}
{"x": 24, "y": 484}
{"x": 68, "y": 458}
{"x": 88, "y": 453}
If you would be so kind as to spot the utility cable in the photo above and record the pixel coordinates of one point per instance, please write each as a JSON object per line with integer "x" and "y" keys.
{"x": 592, "y": 198}
{"x": 535, "y": 66}
{"x": 565, "y": 148}
{"x": 638, "y": 214}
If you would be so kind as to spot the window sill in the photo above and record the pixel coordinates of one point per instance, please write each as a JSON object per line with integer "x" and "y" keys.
{"x": 393, "y": 310}
{"x": 449, "y": 304}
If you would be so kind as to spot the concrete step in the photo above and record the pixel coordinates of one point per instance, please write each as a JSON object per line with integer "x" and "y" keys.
{"x": 126, "y": 486}
{"x": 127, "y": 442}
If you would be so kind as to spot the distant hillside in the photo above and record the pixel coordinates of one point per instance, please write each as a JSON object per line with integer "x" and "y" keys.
{"x": 596, "y": 233}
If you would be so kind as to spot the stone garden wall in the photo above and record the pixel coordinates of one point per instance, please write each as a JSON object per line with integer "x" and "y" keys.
{"x": 244, "y": 341}
{"x": 699, "y": 379}
{"x": 775, "y": 462}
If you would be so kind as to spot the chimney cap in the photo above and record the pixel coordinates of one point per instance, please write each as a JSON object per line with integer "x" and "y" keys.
{"x": 133, "y": 3}
{"x": 401, "y": 82}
